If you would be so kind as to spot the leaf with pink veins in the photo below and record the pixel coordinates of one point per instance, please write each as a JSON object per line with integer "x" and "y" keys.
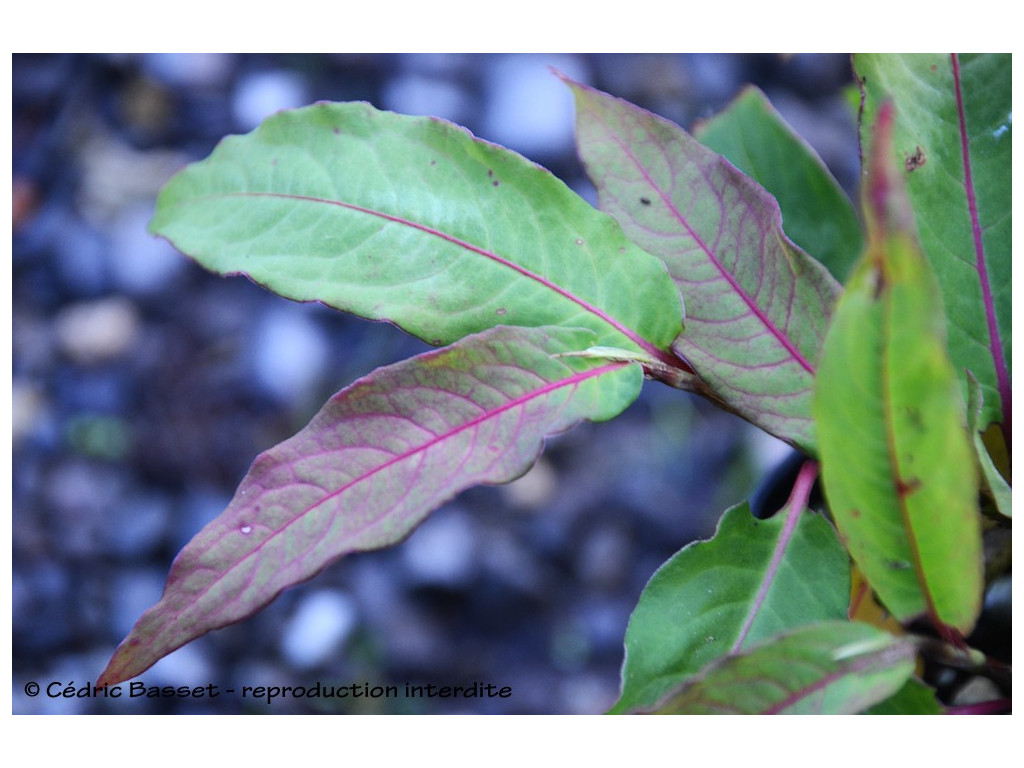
{"x": 371, "y": 465}
{"x": 757, "y": 307}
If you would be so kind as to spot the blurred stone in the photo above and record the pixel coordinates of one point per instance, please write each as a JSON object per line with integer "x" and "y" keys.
{"x": 319, "y": 628}
{"x": 186, "y": 70}
{"x": 40, "y": 590}
{"x": 715, "y": 77}
{"x": 534, "y": 489}
{"x": 34, "y": 342}
{"x": 140, "y": 262}
{"x": 138, "y": 527}
{"x": 528, "y": 108}
{"x": 78, "y": 494}
{"x": 115, "y": 176}
{"x": 510, "y": 561}
{"x": 588, "y": 694}
{"x": 261, "y": 94}
{"x": 442, "y": 550}
{"x": 28, "y": 408}
{"x": 603, "y": 555}
{"x": 134, "y": 591}
{"x": 416, "y": 94}
{"x": 80, "y": 251}
{"x": 289, "y": 351}
{"x": 189, "y": 665}
{"x": 94, "y": 331}
{"x": 147, "y": 109}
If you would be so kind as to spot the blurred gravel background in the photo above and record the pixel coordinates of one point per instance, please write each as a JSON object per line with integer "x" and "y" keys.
{"x": 143, "y": 387}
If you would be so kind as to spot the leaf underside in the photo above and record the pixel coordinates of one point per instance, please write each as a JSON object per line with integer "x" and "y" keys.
{"x": 757, "y": 307}
{"x": 816, "y": 212}
{"x": 828, "y": 668}
{"x": 371, "y": 465}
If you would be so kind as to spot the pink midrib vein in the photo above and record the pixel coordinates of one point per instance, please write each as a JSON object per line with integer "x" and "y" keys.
{"x": 794, "y": 509}
{"x": 995, "y": 344}
{"x": 641, "y": 342}
{"x": 884, "y": 657}
{"x": 571, "y": 381}
{"x": 737, "y": 288}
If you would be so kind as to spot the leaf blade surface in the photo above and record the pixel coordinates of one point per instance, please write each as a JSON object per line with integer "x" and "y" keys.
{"x": 417, "y": 222}
{"x": 953, "y": 139}
{"x": 371, "y": 465}
{"x": 757, "y": 307}
{"x": 897, "y": 466}
{"x": 816, "y": 213}
{"x": 751, "y": 581}
{"x": 829, "y": 668}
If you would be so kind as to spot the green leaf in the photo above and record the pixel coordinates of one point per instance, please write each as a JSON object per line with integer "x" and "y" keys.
{"x": 897, "y": 466}
{"x": 415, "y": 221}
{"x": 379, "y": 457}
{"x": 757, "y": 306}
{"x": 953, "y": 141}
{"x": 914, "y": 698}
{"x": 753, "y": 580}
{"x": 834, "y": 668}
{"x": 816, "y": 213}
{"x": 1002, "y": 494}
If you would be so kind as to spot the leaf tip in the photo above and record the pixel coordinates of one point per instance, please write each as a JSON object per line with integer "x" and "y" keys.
{"x": 885, "y": 201}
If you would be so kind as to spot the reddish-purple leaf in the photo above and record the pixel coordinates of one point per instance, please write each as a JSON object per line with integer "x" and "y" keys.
{"x": 830, "y": 668}
{"x": 371, "y": 465}
{"x": 757, "y": 307}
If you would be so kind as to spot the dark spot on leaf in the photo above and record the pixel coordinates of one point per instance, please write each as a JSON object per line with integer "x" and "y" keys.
{"x": 495, "y": 183}
{"x": 914, "y": 417}
{"x": 337, "y": 131}
{"x": 907, "y": 488}
{"x": 855, "y": 514}
{"x": 645, "y": 200}
{"x": 433, "y": 162}
{"x": 915, "y": 160}
{"x": 898, "y": 565}
{"x": 490, "y": 173}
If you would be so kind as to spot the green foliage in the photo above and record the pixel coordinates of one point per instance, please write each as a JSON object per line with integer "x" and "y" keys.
{"x": 897, "y": 387}
{"x": 757, "y": 307}
{"x": 826, "y": 668}
{"x": 753, "y": 580}
{"x": 953, "y": 137}
{"x": 819, "y": 216}
{"x": 892, "y": 460}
